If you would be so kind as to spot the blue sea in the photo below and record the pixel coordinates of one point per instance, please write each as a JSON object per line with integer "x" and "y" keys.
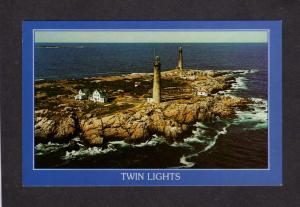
{"x": 238, "y": 143}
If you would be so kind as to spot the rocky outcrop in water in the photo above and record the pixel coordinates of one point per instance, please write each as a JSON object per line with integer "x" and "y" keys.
{"x": 170, "y": 119}
{"x": 54, "y": 126}
{"x": 58, "y": 117}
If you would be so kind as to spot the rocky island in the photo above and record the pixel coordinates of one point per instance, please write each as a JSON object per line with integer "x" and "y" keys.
{"x": 187, "y": 96}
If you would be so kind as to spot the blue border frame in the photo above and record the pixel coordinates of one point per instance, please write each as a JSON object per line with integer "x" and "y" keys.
{"x": 201, "y": 177}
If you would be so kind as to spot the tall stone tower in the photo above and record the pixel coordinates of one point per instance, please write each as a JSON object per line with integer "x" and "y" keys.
{"x": 180, "y": 59}
{"x": 156, "y": 80}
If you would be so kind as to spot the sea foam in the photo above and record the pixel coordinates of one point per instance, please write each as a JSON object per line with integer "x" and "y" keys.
{"x": 91, "y": 151}
{"x": 199, "y": 137}
{"x": 49, "y": 147}
{"x": 257, "y": 115}
{"x": 240, "y": 83}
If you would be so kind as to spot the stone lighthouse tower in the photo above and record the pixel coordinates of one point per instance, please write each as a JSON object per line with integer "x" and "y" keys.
{"x": 180, "y": 59}
{"x": 156, "y": 80}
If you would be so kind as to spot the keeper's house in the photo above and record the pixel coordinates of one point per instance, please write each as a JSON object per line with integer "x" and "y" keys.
{"x": 99, "y": 96}
{"x": 82, "y": 94}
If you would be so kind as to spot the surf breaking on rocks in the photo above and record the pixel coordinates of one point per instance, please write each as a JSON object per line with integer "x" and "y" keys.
{"x": 203, "y": 138}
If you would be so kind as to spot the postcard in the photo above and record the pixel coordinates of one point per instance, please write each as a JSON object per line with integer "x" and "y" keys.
{"x": 152, "y": 103}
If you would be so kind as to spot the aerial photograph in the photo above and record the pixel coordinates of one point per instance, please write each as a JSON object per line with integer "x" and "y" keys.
{"x": 142, "y": 99}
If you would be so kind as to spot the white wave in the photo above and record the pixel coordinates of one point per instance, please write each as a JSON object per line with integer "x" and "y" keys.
{"x": 197, "y": 135}
{"x": 155, "y": 140}
{"x": 258, "y": 115}
{"x": 213, "y": 141}
{"x": 201, "y": 125}
{"x": 120, "y": 143}
{"x": 77, "y": 139}
{"x": 245, "y": 71}
{"x": 181, "y": 144}
{"x": 250, "y": 71}
{"x": 111, "y": 146}
{"x": 253, "y": 71}
{"x": 39, "y": 79}
{"x": 199, "y": 138}
{"x": 143, "y": 144}
{"x": 48, "y": 147}
{"x": 91, "y": 151}
{"x": 240, "y": 83}
{"x": 259, "y": 101}
{"x": 193, "y": 140}
{"x": 186, "y": 164}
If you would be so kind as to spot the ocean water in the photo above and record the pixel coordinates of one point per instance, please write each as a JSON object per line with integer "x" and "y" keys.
{"x": 236, "y": 144}
{"x": 60, "y": 61}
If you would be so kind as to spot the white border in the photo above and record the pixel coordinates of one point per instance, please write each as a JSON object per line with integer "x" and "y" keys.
{"x": 145, "y": 169}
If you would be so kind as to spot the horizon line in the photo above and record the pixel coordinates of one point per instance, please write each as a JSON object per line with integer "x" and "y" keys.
{"x": 152, "y": 42}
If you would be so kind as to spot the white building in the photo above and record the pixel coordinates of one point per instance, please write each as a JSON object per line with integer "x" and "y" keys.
{"x": 202, "y": 93}
{"x": 98, "y": 97}
{"x": 149, "y": 100}
{"x": 81, "y": 95}
{"x": 137, "y": 84}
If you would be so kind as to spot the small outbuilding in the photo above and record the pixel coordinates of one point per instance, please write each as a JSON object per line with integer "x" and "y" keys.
{"x": 137, "y": 84}
{"x": 202, "y": 93}
{"x": 82, "y": 94}
{"x": 149, "y": 100}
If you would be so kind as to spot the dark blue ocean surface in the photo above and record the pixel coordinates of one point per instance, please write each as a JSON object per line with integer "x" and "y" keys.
{"x": 60, "y": 61}
{"x": 238, "y": 143}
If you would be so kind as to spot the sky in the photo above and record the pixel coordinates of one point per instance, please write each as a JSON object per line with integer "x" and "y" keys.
{"x": 121, "y": 36}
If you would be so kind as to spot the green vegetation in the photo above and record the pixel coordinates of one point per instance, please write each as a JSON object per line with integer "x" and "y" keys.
{"x": 93, "y": 105}
{"x": 43, "y": 103}
{"x": 114, "y": 107}
{"x": 128, "y": 86}
{"x": 172, "y": 83}
{"x": 85, "y": 84}
{"x": 123, "y": 93}
{"x": 52, "y": 90}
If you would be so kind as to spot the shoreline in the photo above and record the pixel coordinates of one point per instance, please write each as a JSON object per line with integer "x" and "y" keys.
{"x": 111, "y": 74}
{"x": 129, "y": 117}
